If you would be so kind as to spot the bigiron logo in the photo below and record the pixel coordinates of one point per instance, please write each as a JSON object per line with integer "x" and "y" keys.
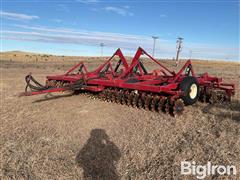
{"x": 202, "y": 171}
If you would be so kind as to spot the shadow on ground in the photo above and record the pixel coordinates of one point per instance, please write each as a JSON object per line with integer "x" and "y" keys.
{"x": 99, "y": 156}
{"x": 232, "y": 110}
{"x": 50, "y": 96}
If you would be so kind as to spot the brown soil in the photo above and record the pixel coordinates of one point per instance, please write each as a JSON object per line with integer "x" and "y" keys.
{"x": 65, "y": 136}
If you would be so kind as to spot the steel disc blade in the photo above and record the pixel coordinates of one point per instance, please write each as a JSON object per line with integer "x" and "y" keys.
{"x": 178, "y": 107}
{"x": 135, "y": 100}
{"x": 161, "y": 104}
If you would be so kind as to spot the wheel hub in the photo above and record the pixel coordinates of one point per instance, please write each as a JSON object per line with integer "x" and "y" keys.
{"x": 193, "y": 91}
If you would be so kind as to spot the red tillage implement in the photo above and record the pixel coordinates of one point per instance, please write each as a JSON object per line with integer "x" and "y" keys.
{"x": 158, "y": 90}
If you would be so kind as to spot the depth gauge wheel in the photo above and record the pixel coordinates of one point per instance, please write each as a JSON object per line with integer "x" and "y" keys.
{"x": 190, "y": 87}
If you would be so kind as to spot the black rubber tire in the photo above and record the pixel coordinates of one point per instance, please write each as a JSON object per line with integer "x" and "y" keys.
{"x": 185, "y": 86}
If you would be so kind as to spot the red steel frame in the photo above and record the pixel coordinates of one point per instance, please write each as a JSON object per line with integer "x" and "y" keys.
{"x": 167, "y": 82}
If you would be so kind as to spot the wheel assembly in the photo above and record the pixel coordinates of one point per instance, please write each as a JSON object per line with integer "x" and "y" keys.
{"x": 190, "y": 89}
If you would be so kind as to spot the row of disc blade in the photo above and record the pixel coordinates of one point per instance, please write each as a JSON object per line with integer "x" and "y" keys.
{"x": 143, "y": 100}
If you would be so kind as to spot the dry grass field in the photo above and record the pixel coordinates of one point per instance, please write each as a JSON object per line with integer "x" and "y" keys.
{"x": 61, "y": 136}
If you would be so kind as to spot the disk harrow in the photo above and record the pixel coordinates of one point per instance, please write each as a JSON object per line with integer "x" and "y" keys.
{"x": 159, "y": 90}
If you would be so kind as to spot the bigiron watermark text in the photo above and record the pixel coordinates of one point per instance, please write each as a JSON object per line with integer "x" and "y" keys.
{"x": 202, "y": 171}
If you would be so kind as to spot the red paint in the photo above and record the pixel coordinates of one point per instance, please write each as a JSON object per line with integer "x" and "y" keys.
{"x": 161, "y": 80}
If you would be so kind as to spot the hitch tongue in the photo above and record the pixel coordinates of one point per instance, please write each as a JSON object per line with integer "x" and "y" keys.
{"x": 33, "y": 84}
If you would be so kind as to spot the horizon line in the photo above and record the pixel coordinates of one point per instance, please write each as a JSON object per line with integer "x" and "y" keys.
{"x": 105, "y": 56}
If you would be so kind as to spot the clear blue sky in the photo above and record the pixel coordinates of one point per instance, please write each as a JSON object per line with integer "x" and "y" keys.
{"x": 76, "y": 27}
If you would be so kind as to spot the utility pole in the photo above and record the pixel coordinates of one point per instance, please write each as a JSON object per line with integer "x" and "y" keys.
{"x": 179, "y": 48}
{"x": 102, "y": 45}
{"x": 190, "y": 54}
{"x": 154, "y": 44}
